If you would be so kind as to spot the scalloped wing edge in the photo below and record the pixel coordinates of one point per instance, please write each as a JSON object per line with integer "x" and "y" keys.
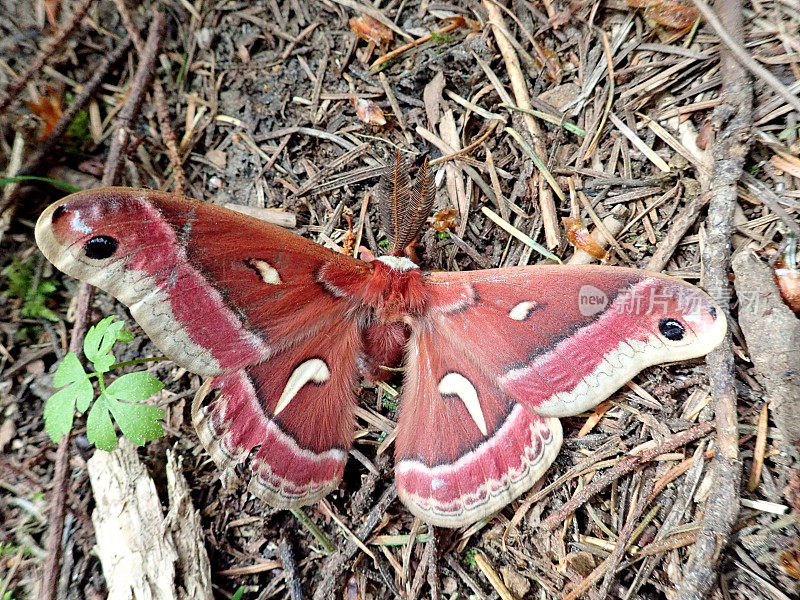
{"x": 216, "y": 436}
{"x": 523, "y": 468}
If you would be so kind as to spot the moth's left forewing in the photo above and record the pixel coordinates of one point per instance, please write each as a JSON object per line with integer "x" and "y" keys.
{"x": 213, "y": 289}
{"x": 562, "y": 339}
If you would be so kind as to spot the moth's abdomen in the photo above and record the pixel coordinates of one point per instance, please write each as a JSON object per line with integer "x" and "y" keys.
{"x": 383, "y": 347}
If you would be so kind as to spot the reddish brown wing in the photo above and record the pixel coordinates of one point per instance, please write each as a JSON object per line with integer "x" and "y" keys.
{"x": 562, "y": 339}
{"x": 214, "y": 289}
{"x": 464, "y": 448}
{"x": 296, "y": 407}
{"x": 553, "y": 340}
{"x": 241, "y": 301}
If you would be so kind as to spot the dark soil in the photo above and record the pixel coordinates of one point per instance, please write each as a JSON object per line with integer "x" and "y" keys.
{"x": 261, "y": 99}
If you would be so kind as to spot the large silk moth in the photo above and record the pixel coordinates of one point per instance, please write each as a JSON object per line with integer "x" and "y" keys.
{"x": 283, "y": 329}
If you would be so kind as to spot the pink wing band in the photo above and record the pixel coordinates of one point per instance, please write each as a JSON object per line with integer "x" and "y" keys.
{"x": 485, "y": 479}
{"x": 284, "y": 474}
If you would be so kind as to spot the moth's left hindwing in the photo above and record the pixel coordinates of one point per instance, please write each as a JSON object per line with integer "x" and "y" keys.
{"x": 237, "y": 300}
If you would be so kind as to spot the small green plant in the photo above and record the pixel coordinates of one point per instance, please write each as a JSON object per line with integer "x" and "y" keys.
{"x": 441, "y": 38}
{"x": 469, "y": 556}
{"x": 78, "y": 134}
{"x": 12, "y": 550}
{"x": 121, "y": 399}
{"x": 238, "y": 594}
{"x": 23, "y": 285}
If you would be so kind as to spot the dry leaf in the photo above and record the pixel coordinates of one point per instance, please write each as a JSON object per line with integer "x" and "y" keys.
{"x": 786, "y": 274}
{"x": 788, "y": 281}
{"x": 349, "y": 240}
{"x": 445, "y": 219}
{"x": 369, "y": 112}
{"x": 668, "y": 13}
{"x": 790, "y": 561}
{"x": 463, "y": 22}
{"x": 548, "y": 58}
{"x": 579, "y": 236}
{"x": 371, "y": 30}
{"x": 48, "y": 107}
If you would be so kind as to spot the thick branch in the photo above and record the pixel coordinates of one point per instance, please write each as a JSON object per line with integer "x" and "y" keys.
{"x": 733, "y": 117}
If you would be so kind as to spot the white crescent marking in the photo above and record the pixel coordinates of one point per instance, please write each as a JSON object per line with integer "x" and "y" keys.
{"x": 458, "y": 385}
{"x": 268, "y": 273}
{"x": 314, "y": 369}
{"x": 521, "y": 311}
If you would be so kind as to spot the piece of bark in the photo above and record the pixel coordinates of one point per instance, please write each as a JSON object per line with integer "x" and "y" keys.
{"x": 145, "y": 554}
{"x": 772, "y": 332}
{"x": 183, "y": 521}
{"x": 137, "y": 552}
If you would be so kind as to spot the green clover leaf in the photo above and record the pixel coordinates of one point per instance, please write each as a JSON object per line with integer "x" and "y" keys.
{"x": 99, "y": 340}
{"x": 121, "y": 401}
{"x": 99, "y": 428}
{"x": 59, "y": 410}
{"x": 138, "y": 422}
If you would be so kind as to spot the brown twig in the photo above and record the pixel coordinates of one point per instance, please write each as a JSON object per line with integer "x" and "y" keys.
{"x": 167, "y": 132}
{"x": 336, "y": 563}
{"x": 624, "y": 538}
{"x": 733, "y": 117}
{"x": 58, "y": 509}
{"x": 135, "y": 98}
{"x": 624, "y": 467}
{"x": 680, "y": 225}
{"x": 290, "y": 568}
{"x": 433, "y": 567}
{"x": 413, "y": 44}
{"x": 61, "y": 35}
{"x": 58, "y": 502}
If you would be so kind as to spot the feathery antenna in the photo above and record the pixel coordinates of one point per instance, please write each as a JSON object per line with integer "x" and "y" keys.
{"x": 403, "y": 210}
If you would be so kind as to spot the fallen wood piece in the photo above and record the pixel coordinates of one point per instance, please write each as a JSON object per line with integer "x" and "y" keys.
{"x": 183, "y": 521}
{"x": 274, "y": 216}
{"x": 137, "y": 545}
{"x": 772, "y": 333}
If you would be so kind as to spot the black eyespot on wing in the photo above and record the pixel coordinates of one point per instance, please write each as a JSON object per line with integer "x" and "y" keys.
{"x": 100, "y": 247}
{"x": 57, "y": 213}
{"x": 671, "y": 329}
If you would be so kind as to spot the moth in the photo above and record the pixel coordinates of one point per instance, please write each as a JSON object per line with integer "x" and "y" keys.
{"x": 284, "y": 329}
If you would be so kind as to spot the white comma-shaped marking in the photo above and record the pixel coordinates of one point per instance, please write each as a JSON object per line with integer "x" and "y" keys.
{"x": 522, "y": 311}
{"x": 457, "y": 385}
{"x": 313, "y": 369}
{"x": 269, "y": 274}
